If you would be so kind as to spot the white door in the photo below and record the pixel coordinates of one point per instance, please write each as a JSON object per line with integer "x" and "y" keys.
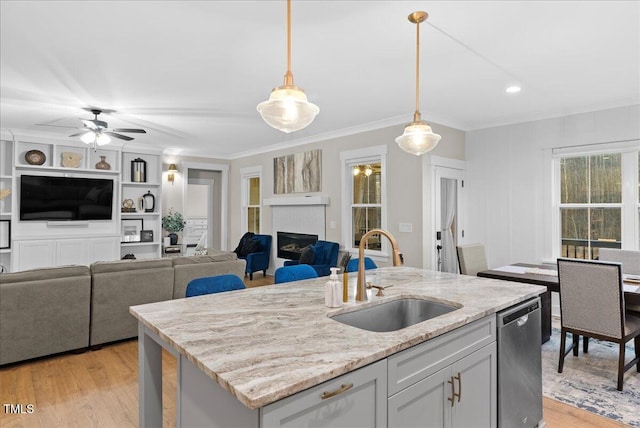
{"x": 447, "y": 213}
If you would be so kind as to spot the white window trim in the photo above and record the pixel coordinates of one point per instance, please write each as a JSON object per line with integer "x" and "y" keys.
{"x": 349, "y": 158}
{"x": 246, "y": 174}
{"x": 630, "y": 223}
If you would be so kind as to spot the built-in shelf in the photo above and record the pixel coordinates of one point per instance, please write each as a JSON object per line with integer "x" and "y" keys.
{"x": 5, "y": 251}
{"x": 138, "y": 244}
{"x": 5, "y": 176}
{"x": 65, "y": 169}
{"x": 136, "y": 214}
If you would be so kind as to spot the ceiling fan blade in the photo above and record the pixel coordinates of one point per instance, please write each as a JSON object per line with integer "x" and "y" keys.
{"x": 80, "y": 133}
{"x": 94, "y": 123}
{"x": 113, "y": 134}
{"x": 56, "y": 126}
{"x": 138, "y": 131}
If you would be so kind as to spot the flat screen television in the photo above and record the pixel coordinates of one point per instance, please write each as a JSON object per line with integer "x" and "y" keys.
{"x": 65, "y": 198}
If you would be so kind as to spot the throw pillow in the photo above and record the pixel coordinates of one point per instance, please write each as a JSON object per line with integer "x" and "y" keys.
{"x": 249, "y": 247}
{"x": 307, "y": 256}
{"x": 246, "y": 237}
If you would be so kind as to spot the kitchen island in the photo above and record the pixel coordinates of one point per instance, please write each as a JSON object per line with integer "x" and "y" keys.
{"x": 240, "y": 352}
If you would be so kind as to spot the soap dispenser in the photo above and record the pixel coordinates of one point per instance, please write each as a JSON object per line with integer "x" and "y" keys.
{"x": 333, "y": 290}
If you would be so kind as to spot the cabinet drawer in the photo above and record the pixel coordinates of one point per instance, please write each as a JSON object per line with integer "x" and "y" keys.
{"x": 414, "y": 364}
{"x": 363, "y": 402}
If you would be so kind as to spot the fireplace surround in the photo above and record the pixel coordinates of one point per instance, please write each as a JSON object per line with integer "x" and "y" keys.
{"x": 290, "y": 244}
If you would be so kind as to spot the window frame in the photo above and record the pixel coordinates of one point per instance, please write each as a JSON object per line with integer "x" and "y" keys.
{"x": 629, "y": 205}
{"x": 245, "y": 175}
{"x": 349, "y": 159}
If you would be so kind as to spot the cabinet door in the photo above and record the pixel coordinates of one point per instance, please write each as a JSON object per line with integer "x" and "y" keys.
{"x": 103, "y": 249}
{"x": 476, "y": 385}
{"x": 425, "y": 404}
{"x": 71, "y": 252}
{"x": 360, "y": 400}
{"x": 34, "y": 254}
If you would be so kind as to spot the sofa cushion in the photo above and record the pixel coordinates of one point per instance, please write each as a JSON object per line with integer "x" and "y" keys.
{"x": 44, "y": 274}
{"x": 212, "y": 256}
{"x": 122, "y": 265}
{"x": 43, "y": 312}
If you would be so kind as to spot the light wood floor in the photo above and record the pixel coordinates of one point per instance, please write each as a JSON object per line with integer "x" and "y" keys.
{"x": 100, "y": 389}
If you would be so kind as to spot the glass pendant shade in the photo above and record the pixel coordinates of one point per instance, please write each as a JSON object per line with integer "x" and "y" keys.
{"x": 88, "y": 138}
{"x": 418, "y": 138}
{"x": 287, "y": 109}
{"x": 102, "y": 139}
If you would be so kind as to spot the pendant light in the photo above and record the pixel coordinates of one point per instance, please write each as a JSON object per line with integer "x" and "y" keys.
{"x": 287, "y": 108}
{"x": 418, "y": 138}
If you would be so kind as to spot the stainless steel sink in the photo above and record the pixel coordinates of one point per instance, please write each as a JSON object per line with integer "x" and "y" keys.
{"x": 394, "y": 315}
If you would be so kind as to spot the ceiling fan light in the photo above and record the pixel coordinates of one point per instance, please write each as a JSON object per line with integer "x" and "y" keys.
{"x": 88, "y": 137}
{"x": 418, "y": 138}
{"x": 102, "y": 139}
{"x": 287, "y": 109}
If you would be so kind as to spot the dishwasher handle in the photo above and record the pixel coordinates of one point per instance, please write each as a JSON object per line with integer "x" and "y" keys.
{"x": 518, "y": 314}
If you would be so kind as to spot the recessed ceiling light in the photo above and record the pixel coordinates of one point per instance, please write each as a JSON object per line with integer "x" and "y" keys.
{"x": 513, "y": 89}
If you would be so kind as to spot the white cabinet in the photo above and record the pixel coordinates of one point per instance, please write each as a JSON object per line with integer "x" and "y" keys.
{"x": 461, "y": 395}
{"x": 450, "y": 381}
{"x": 32, "y": 254}
{"x": 356, "y": 399}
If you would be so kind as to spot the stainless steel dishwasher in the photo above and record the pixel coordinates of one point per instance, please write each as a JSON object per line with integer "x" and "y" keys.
{"x": 520, "y": 366}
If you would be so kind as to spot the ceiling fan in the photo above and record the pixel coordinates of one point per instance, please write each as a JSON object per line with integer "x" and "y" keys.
{"x": 96, "y": 131}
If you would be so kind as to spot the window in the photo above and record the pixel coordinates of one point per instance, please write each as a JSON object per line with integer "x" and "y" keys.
{"x": 363, "y": 206}
{"x": 251, "y": 199}
{"x": 595, "y": 204}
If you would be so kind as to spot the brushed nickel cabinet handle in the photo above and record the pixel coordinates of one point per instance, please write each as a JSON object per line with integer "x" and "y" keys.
{"x": 453, "y": 391}
{"x": 343, "y": 388}
{"x": 459, "y": 394}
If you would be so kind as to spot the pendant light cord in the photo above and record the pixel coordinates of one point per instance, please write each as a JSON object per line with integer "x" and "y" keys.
{"x": 416, "y": 115}
{"x": 288, "y": 77}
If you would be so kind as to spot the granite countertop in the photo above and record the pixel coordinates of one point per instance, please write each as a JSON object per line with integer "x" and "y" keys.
{"x": 263, "y": 344}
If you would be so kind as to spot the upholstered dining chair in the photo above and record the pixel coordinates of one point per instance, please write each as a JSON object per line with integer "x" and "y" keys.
{"x": 214, "y": 284}
{"x": 352, "y": 266}
{"x": 294, "y": 273}
{"x": 592, "y": 306}
{"x": 630, "y": 260}
{"x": 471, "y": 259}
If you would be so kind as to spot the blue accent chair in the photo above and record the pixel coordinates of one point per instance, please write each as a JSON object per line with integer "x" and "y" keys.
{"x": 326, "y": 256}
{"x": 214, "y": 284}
{"x": 352, "y": 266}
{"x": 259, "y": 261}
{"x": 294, "y": 273}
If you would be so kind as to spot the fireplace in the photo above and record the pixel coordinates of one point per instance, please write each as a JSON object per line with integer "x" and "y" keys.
{"x": 290, "y": 245}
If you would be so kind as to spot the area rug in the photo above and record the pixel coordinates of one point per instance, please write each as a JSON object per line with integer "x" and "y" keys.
{"x": 589, "y": 380}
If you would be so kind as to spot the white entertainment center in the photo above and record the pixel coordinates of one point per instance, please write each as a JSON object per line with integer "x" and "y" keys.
{"x": 28, "y": 244}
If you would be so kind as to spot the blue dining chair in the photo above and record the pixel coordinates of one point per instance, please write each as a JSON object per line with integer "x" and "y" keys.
{"x": 214, "y": 284}
{"x": 294, "y": 273}
{"x": 352, "y": 266}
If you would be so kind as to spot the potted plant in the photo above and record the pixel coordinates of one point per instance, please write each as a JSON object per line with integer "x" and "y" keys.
{"x": 173, "y": 222}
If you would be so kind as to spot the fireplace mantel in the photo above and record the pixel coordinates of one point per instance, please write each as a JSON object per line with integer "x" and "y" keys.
{"x": 297, "y": 200}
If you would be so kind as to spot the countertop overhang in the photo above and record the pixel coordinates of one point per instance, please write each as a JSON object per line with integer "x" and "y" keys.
{"x": 267, "y": 343}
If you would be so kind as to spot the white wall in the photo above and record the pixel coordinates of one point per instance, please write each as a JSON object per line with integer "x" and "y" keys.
{"x": 509, "y": 179}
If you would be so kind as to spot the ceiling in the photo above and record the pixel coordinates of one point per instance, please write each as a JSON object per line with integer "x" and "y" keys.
{"x": 192, "y": 72}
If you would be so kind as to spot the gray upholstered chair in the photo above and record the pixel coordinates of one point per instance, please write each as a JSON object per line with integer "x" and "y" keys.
{"x": 592, "y": 305}
{"x": 471, "y": 259}
{"x": 630, "y": 260}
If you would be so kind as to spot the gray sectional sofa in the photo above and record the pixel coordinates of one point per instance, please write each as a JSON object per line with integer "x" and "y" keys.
{"x": 53, "y": 310}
